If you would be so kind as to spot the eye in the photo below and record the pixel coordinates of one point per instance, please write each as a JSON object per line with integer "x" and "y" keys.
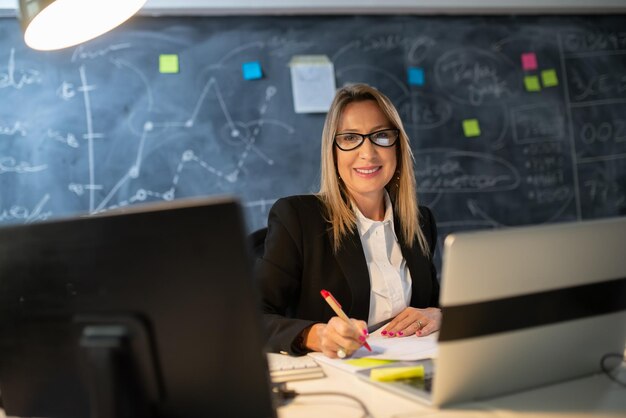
{"x": 351, "y": 138}
{"x": 382, "y": 138}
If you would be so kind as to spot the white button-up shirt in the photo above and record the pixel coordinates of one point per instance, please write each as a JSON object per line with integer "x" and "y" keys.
{"x": 390, "y": 279}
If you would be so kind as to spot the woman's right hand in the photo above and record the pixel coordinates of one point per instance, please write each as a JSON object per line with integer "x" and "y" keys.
{"x": 336, "y": 335}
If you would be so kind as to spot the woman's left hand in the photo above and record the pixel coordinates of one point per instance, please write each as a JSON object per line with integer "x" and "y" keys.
{"x": 414, "y": 321}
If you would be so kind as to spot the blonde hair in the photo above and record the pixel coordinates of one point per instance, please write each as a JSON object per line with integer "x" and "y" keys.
{"x": 401, "y": 188}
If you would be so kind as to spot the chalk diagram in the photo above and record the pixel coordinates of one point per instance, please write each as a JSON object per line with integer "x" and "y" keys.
{"x": 102, "y": 192}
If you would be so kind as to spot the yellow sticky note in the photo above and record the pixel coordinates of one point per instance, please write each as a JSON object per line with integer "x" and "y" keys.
{"x": 367, "y": 362}
{"x": 471, "y": 127}
{"x": 531, "y": 82}
{"x": 168, "y": 63}
{"x": 388, "y": 374}
{"x": 549, "y": 78}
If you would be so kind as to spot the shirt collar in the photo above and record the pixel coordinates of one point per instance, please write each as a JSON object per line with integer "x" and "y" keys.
{"x": 365, "y": 224}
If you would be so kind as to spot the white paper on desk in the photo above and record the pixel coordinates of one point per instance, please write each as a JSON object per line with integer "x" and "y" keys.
{"x": 312, "y": 82}
{"x": 398, "y": 348}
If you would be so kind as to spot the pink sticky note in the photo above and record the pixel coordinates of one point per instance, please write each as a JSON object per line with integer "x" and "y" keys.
{"x": 529, "y": 61}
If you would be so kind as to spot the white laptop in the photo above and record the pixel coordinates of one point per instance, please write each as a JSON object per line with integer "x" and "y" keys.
{"x": 525, "y": 307}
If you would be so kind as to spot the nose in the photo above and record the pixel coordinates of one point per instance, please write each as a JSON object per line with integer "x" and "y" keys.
{"x": 367, "y": 149}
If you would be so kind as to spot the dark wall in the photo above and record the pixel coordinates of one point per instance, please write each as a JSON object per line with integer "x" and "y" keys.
{"x": 97, "y": 126}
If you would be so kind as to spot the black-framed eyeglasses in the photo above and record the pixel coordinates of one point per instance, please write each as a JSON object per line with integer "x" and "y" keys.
{"x": 384, "y": 138}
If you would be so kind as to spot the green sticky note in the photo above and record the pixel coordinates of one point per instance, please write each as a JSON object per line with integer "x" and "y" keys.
{"x": 168, "y": 63}
{"x": 388, "y": 374}
{"x": 471, "y": 127}
{"x": 531, "y": 82}
{"x": 549, "y": 78}
{"x": 367, "y": 362}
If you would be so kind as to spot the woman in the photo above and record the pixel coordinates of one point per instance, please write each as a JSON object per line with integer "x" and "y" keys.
{"x": 362, "y": 237}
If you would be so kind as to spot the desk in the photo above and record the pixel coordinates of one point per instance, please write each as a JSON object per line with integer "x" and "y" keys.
{"x": 596, "y": 396}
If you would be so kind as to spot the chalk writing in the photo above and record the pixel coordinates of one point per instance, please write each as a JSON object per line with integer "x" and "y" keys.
{"x": 597, "y": 86}
{"x": 21, "y": 213}
{"x": 452, "y": 171}
{"x": 80, "y": 53}
{"x": 587, "y": 41}
{"x": 10, "y": 165}
{"x": 69, "y": 139}
{"x": 18, "y": 78}
{"x": 425, "y": 111}
{"x": 17, "y": 128}
{"x": 473, "y": 76}
{"x": 535, "y": 123}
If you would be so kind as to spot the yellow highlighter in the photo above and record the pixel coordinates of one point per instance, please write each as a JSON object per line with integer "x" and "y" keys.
{"x": 389, "y": 374}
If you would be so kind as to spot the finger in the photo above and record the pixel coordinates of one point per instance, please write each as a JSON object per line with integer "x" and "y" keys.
{"x": 344, "y": 336}
{"x": 361, "y": 326}
{"x": 410, "y": 328}
{"x": 347, "y": 330}
{"x": 350, "y": 345}
{"x": 329, "y": 353}
{"x": 329, "y": 345}
{"x": 392, "y": 327}
{"x": 402, "y": 326}
{"x": 427, "y": 329}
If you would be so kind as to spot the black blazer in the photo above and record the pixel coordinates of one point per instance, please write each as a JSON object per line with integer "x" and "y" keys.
{"x": 299, "y": 261}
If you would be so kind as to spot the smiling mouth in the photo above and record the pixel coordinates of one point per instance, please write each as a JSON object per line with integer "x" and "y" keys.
{"x": 367, "y": 171}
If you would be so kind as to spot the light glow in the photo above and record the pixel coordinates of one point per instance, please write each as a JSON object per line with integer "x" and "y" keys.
{"x": 66, "y": 23}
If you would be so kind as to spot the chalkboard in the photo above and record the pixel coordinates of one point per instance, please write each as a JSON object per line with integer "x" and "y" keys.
{"x": 513, "y": 120}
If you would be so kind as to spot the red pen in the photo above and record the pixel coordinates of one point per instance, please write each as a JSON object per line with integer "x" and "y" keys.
{"x": 330, "y": 299}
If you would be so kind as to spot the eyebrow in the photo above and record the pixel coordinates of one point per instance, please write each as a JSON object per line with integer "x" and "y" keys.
{"x": 374, "y": 129}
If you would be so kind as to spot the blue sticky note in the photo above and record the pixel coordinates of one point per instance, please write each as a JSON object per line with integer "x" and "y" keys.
{"x": 416, "y": 76}
{"x": 251, "y": 70}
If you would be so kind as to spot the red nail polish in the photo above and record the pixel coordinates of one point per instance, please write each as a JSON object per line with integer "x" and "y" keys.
{"x": 419, "y": 332}
{"x": 365, "y": 332}
{"x": 400, "y": 333}
{"x": 361, "y": 338}
{"x": 391, "y": 334}
{"x": 384, "y": 333}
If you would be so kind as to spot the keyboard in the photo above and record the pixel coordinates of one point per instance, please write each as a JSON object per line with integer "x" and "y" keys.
{"x": 285, "y": 368}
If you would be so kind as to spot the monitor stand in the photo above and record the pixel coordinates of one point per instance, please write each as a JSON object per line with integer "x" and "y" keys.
{"x": 119, "y": 367}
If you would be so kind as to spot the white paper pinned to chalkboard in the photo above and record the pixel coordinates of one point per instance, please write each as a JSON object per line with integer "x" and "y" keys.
{"x": 313, "y": 83}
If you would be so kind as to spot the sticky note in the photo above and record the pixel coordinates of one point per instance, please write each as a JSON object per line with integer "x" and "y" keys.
{"x": 251, "y": 70}
{"x": 367, "y": 362}
{"x": 313, "y": 83}
{"x": 529, "y": 61}
{"x": 416, "y": 76}
{"x": 388, "y": 374}
{"x": 531, "y": 82}
{"x": 168, "y": 63}
{"x": 549, "y": 78}
{"x": 471, "y": 128}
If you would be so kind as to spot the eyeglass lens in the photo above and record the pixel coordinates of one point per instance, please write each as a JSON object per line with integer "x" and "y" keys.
{"x": 384, "y": 138}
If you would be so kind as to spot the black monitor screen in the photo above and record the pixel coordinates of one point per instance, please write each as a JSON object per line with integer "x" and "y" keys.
{"x": 149, "y": 312}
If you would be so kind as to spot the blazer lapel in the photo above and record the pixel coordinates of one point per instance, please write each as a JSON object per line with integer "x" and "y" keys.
{"x": 351, "y": 260}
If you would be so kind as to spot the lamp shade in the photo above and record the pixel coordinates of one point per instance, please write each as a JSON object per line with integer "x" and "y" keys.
{"x": 57, "y": 24}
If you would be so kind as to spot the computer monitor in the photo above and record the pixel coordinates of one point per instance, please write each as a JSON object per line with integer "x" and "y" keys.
{"x": 149, "y": 311}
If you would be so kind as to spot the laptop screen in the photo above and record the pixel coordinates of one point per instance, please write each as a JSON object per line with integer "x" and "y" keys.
{"x": 157, "y": 300}
{"x": 529, "y": 306}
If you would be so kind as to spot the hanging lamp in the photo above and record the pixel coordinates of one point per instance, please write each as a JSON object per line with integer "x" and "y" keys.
{"x": 57, "y": 24}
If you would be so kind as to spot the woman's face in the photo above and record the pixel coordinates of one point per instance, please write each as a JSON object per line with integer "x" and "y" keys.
{"x": 367, "y": 169}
